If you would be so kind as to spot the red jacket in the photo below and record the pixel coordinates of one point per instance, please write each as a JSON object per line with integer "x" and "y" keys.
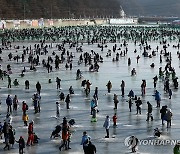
{"x": 24, "y": 106}
{"x": 30, "y": 128}
{"x": 114, "y": 118}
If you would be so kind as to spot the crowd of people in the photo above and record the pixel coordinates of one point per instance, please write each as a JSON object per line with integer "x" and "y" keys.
{"x": 65, "y": 38}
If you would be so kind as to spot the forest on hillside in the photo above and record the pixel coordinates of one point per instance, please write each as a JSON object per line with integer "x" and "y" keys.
{"x": 55, "y": 9}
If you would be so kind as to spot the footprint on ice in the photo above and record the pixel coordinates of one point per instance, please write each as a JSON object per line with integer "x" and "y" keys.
{"x": 75, "y": 94}
{"x": 55, "y": 117}
{"x": 109, "y": 94}
{"x": 128, "y": 125}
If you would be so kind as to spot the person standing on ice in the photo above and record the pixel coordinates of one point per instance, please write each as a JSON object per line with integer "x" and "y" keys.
{"x": 155, "y": 79}
{"x": 137, "y": 59}
{"x": 9, "y": 82}
{"x": 138, "y": 105}
{"x": 38, "y": 102}
{"x": 30, "y": 133}
{"x": 130, "y": 104}
{"x": 88, "y": 85}
{"x": 116, "y": 101}
{"x": 96, "y": 93}
{"x": 38, "y": 87}
{"x": 170, "y": 93}
{"x": 168, "y": 117}
{"x": 84, "y": 141}
{"x": 157, "y": 98}
{"x": 21, "y": 144}
{"x": 114, "y": 120}
{"x": 58, "y": 81}
{"x": 122, "y": 87}
{"x": 92, "y": 104}
{"x": 149, "y": 113}
{"x": 163, "y": 111}
{"x": 9, "y": 104}
{"x": 143, "y": 87}
{"x": 129, "y": 61}
{"x": 65, "y": 135}
{"x": 57, "y": 108}
{"x": 109, "y": 86}
{"x": 94, "y": 111}
{"x": 133, "y": 143}
{"x": 96, "y": 102}
{"x": 91, "y": 148}
{"x": 78, "y": 74}
{"x": 25, "y": 118}
{"x": 67, "y": 100}
{"x": 24, "y": 107}
{"x": 7, "y": 139}
{"x": 15, "y": 103}
{"x": 106, "y": 125}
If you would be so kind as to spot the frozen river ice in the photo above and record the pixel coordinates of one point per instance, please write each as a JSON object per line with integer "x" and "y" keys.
{"x": 128, "y": 123}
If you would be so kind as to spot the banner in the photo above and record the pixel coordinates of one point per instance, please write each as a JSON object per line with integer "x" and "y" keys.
{"x": 35, "y": 23}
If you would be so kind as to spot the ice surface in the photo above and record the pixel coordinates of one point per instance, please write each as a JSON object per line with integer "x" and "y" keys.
{"x": 128, "y": 123}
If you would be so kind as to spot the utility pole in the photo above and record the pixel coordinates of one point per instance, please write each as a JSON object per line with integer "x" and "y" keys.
{"x": 51, "y": 10}
{"x": 24, "y": 11}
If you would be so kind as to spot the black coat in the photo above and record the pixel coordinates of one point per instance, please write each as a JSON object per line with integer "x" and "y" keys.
{"x": 91, "y": 149}
{"x": 21, "y": 143}
{"x": 138, "y": 103}
{"x": 11, "y": 136}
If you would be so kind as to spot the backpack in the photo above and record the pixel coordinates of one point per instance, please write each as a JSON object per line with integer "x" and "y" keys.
{"x": 27, "y": 107}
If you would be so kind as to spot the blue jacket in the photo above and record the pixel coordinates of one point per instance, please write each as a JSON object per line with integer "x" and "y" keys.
{"x": 84, "y": 140}
{"x": 107, "y": 123}
{"x": 9, "y": 101}
{"x": 92, "y": 104}
{"x": 157, "y": 96}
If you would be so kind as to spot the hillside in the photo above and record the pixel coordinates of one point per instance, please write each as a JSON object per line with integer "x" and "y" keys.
{"x": 35, "y": 9}
{"x": 32, "y": 9}
{"x": 151, "y": 7}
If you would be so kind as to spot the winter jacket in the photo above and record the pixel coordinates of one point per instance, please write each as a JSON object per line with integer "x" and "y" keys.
{"x": 157, "y": 96}
{"x": 84, "y": 140}
{"x": 25, "y": 117}
{"x": 24, "y": 107}
{"x": 168, "y": 116}
{"x": 91, "y": 149}
{"x": 21, "y": 143}
{"x": 9, "y": 101}
{"x": 149, "y": 108}
{"x": 107, "y": 123}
